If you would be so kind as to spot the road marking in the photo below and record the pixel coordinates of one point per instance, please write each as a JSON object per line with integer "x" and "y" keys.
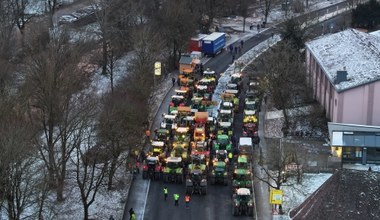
{"x": 146, "y": 198}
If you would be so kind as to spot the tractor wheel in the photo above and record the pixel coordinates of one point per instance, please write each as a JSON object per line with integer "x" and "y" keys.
{"x": 250, "y": 211}
{"x": 235, "y": 211}
{"x": 204, "y": 190}
{"x": 225, "y": 182}
{"x": 180, "y": 179}
{"x": 212, "y": 180}
{"x": 144, "y": 175}
{"x": 156, "y": 176}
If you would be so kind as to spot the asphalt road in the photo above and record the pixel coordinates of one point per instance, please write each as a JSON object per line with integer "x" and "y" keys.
{"x": 217, "y": 203}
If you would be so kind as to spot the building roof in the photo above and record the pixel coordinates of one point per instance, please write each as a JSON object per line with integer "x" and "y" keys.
{"x": 355, "y": 51}
{"x": 352, "y": 135}
{"x": 347, "y": 194}
{"x": 186, "y": 59}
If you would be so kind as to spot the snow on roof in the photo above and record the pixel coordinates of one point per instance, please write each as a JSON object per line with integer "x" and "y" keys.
{"x": 376, "y": 33}
{"x": 213, "y": 36}
{"x": 199, "y": 37}
{"x": 243, "y": 191}
{"x": 356, "y": 51}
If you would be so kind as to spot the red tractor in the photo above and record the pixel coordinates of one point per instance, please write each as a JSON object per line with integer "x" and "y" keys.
{"x": 152, "y": 168}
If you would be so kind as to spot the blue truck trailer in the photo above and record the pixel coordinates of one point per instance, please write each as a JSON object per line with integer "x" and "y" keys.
{"x": 213, "y": 43}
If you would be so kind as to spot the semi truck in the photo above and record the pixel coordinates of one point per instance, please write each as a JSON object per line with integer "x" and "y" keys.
{"x": 213, "y": 43}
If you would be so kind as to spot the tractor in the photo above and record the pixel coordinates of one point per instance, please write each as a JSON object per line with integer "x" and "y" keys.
{"x": 225, "y": 128}
{"x": 242, "y": 178}
{"x": 196, "y": 181}
{"x": 242, "y": 202}
{"x": 231, "y": 95}
{"x": 162, "y": 134}
{"x": 219, "y": 174}
{"x": 181, "y": 138}
{"x": 250, "y": 124}
{"x": 158, "y": 149}
{"x": 173, "y": 171}
{"x": 222, "y": 142}
{"x": 169, "y": 122}
{"x": 200, "y": 148}
{"x": 177, "y": 100}
{"x": 152, "y": 168}
{"x": 200, "y": 119}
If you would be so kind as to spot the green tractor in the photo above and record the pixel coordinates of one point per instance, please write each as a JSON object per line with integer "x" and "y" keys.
{"x": 219, "y": 174}
{"x": 242, "y": 178}
{"x": 196, "y": 181}
{"x": 222, "y": 142}
{"x": 242, "y": 202}
{"x": 173, "y": 171}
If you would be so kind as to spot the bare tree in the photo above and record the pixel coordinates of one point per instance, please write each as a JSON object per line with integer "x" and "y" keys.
{"x": 19, "y": 172}
{"x": 176, "y": 26}
{"x": 268, "y": 6}
{"x": 90, "y": 169}
{"x": 280, "y": 155}
{"x": 19, "y": 12}
{"x": 243, "y": 10}
{"x": 353, "y": 3}
{"x": 285, "y": 79}
{"x": 53, "y": 80}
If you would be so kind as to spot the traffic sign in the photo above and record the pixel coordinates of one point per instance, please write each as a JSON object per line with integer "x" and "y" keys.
{"x": 275, "y": 196}
{"x": 157, "y": 68}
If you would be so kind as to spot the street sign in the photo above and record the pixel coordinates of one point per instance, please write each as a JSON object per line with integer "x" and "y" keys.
{"x": 157, "y": 68}
{"x": 275, "y": 196}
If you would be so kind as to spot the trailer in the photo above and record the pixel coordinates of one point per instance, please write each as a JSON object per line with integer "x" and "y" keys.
{"x": 196, "y": 43}
{"x": 213, "y": 43}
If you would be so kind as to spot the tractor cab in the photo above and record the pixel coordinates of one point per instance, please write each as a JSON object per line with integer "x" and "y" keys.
{"x": 233, "y": 87}
{"x": 183, "y": 91}
{"x": 158, "y": 148}
{"x": 225, "y": 116}
{"x": 225, "y": 128}
{"x": 242, "y": 178}
{"x": 173, "y": 171}
{"x": 221, "y": 155}
{"x": 219, "y": 173}
{"x": 209, "y": 74}
{"x": 250, "y": 105}
{"x": 236, "y": 78}
{"x": 152, "y": 168}
{"x": 177, "y": 100}
{"x": 222, "y": 142}
{"x": 162, "y": 134}
{"x": 169, "y": 122}
{"x": 242, "y": 202}
{"x": 242, "y": 162}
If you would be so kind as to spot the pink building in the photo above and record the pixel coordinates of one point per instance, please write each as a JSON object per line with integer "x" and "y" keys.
{"x": 344, "y": 71}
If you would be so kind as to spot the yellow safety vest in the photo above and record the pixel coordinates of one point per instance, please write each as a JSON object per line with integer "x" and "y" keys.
{"x": 230, "y": 155}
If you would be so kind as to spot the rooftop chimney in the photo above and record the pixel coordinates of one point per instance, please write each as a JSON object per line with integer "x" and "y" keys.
{"x": 341, "y": 76}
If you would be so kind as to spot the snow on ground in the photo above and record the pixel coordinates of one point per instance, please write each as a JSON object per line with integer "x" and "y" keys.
{"x": 108, "y": 203}
{"x": 295, "y": 194}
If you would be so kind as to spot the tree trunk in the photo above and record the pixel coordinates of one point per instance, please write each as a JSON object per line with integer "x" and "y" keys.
{"x": 85, "y": 212}
{"x": 112, "y": 172}
{"x": 60, "y": 188}
{"x": 244, "y": 24}
{"x": 105, "y": 57}
{"x": 51, "y": 162}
